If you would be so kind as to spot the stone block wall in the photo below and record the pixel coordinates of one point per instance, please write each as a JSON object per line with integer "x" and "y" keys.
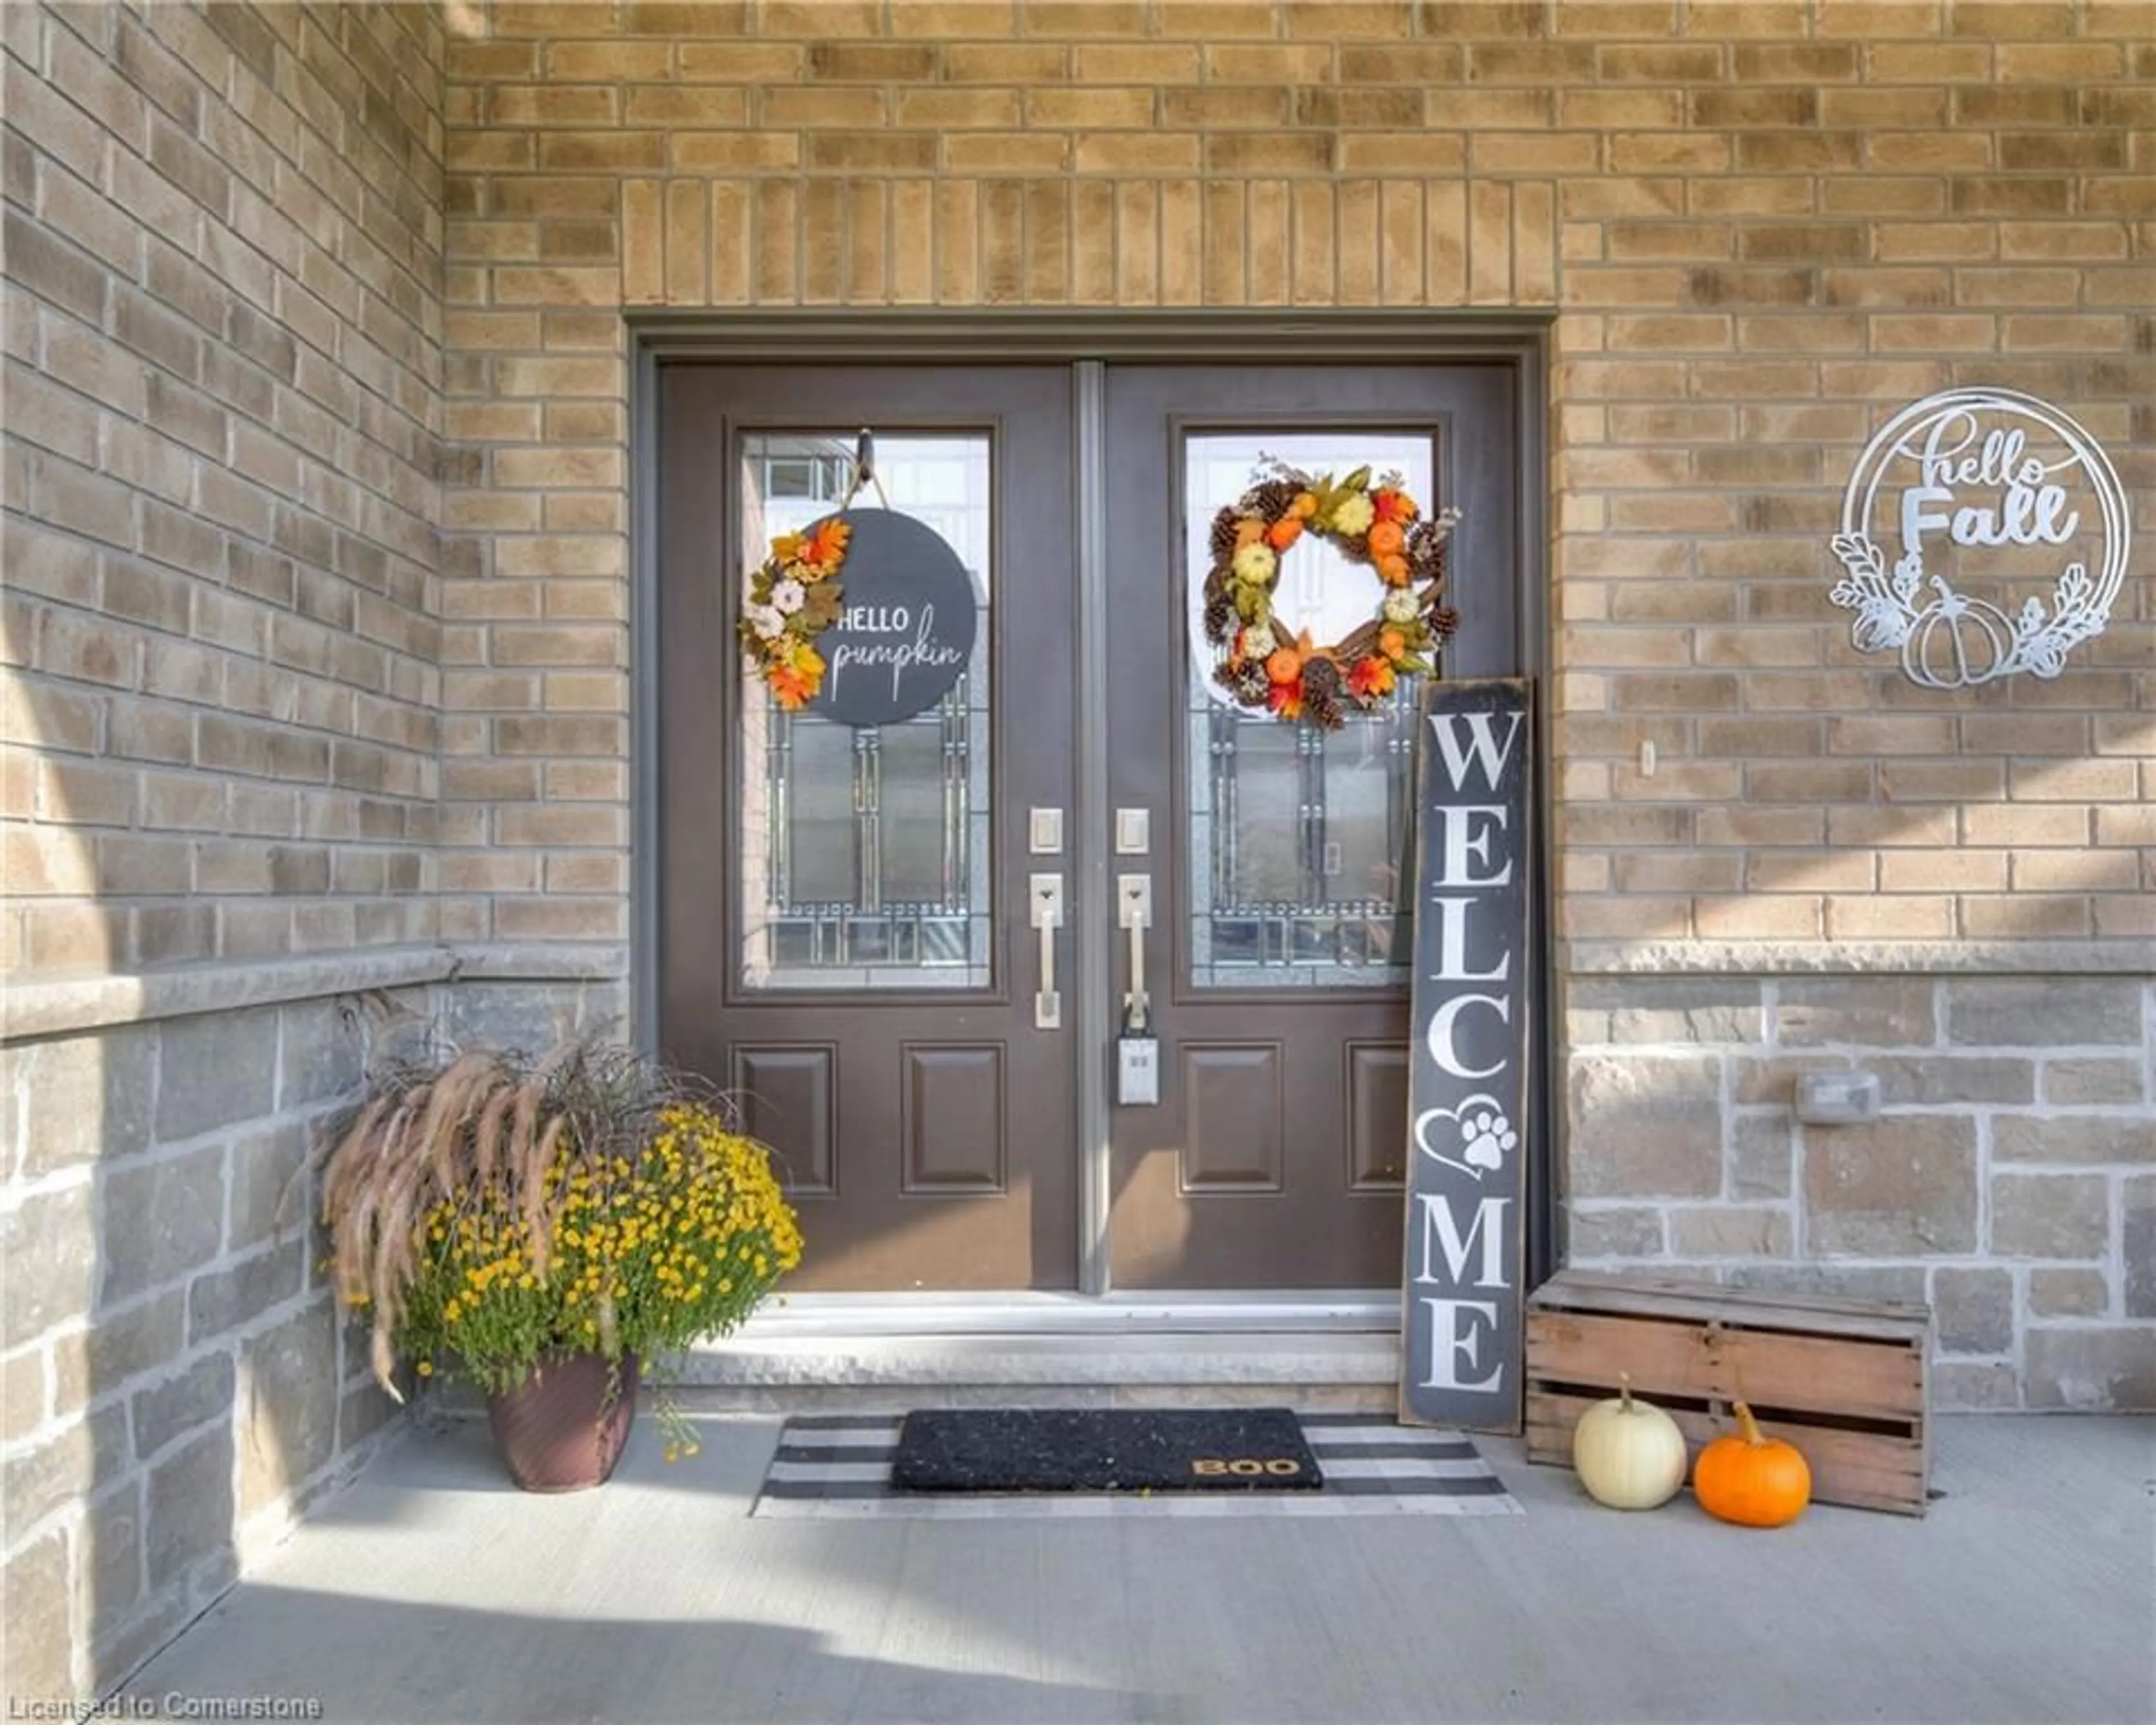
{"x": 218, "y": 711}
{"x": 178, "y": 1388}
{"x": 2009, "y": 1178}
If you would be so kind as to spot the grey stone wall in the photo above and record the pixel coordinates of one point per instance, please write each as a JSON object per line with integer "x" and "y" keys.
{"x": 2009, "y": 1179}
{"x": 178, "y": 1388}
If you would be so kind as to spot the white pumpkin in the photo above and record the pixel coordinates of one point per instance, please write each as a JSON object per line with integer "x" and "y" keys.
{"x": 1628, "y": 1453}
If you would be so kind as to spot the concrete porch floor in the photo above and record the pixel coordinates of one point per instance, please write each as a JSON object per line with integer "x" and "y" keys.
{"x": 432, "y": 1590}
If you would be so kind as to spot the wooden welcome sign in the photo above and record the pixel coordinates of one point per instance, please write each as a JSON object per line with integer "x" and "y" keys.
{"x": 1460, "y": 1327}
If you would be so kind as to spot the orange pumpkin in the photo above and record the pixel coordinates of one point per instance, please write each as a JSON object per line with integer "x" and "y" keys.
{"x": 1285, "y": 666}
{"x": 1284, "y": 532}
{"x": 1393, "y": 570}
{"x": 1752, "y": 1479}
{"x": 1385, "y": 538}
{"x": 1304, "y": 505}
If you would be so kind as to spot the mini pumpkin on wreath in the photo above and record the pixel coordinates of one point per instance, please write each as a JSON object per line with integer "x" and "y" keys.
{"x": 1379, "y": 525}
{"x": 793, "y": 598}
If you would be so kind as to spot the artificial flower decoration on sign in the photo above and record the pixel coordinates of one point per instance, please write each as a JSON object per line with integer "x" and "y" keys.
{"x": 793, "y": 598}
{"x": 1267, "y": 669}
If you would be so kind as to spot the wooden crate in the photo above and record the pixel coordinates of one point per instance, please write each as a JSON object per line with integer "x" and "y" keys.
{"x": 1841, "y": 1379}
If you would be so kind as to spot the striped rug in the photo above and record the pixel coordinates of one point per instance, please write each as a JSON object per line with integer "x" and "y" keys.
{"x": 838, "y": 1465}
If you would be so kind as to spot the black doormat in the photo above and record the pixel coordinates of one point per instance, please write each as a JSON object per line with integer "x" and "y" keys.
{"x": 1103, "y": 1450}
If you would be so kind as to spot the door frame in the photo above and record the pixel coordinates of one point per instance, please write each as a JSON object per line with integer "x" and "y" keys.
{"x": 1090, "y": 341}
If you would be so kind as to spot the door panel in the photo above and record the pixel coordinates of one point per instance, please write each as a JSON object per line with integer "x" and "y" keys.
{"x": 844, "y": 942}
{"x": 1277, "y": 979}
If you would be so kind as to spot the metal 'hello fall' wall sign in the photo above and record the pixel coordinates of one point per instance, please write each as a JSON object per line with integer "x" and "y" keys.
{"x": 1963, "y": 494}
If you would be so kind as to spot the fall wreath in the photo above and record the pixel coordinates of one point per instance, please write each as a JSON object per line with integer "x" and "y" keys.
{"x": 1377, "y": 524}
{"x": 793, "y": 597}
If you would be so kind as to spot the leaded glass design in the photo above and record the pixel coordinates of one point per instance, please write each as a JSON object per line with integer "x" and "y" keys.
{"x": 1300, "y": 839}
{"x": 864, "y": 852}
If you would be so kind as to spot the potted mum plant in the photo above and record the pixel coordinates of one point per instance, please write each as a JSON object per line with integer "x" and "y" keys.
{"x": 549, "y": 1227}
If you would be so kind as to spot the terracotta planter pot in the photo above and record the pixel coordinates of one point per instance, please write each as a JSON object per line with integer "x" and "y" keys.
{"x": 555, "y": 1431}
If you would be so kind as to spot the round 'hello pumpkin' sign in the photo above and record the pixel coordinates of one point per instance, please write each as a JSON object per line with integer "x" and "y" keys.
{"x": 906, "y": 632}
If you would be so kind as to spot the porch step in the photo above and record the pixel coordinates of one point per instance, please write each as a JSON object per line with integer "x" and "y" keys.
{"x": 1349, "y": 1370}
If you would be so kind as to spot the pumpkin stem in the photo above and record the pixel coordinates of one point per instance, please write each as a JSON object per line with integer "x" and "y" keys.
{"x": 1625, "y": 1390}
{"x": 1748, "y": 1426}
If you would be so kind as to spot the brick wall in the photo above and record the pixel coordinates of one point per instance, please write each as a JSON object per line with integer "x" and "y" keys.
{"x": 1764, "y": 224}
{"x": 223, "y": 331}
{"x": 1761, "y": 227}
{"x": 218, "y": 749}
{"x": 239, "y": 656}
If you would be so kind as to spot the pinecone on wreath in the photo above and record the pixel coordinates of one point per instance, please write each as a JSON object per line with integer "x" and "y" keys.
{"x": 1321, "y": 693}
{"x": 1219, "y": 613}
{"x": 1224, "y": 534}
{"x": 1251, "y": 685}
{"x": 1273, "y": 498}
{"x": 1426, "y": 545}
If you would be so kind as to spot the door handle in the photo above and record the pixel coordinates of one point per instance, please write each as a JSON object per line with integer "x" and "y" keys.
{"x": 1045, "y": 906}
{"x": 1134, "y": 911}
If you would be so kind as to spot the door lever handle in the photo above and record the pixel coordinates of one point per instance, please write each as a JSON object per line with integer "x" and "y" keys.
{"x": 1045, "y": 909}
{"x": 1134, "y": 911}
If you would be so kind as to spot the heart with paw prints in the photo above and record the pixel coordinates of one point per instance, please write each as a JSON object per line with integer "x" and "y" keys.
{"x": 1481, "y": 1137}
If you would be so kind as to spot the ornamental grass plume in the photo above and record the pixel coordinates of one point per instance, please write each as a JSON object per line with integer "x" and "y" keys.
{"x": 489, "y": 1210}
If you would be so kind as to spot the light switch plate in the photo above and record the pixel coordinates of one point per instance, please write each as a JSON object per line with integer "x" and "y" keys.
{"x": 1133, "y": 832}
{"x": 1044, "y": 832}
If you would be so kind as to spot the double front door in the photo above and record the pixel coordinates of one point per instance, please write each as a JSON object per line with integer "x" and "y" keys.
{"x": 877, "y": 938}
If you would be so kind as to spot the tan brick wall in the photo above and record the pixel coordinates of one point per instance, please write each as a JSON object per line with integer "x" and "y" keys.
{"x": 218, "y": 712}
{"x": 222, "y": 406}
{"x": 1763, "y": 226}
{"x": 1765, "y": 223}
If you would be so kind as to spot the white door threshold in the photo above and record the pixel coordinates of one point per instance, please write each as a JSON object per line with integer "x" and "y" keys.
{"x": 1343, "y": 1351}
{"x": 1287, "y": 1313}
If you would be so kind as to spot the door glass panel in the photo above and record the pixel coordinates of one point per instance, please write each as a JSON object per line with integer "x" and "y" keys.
{"x": 1300, "y": 838}
{"x": 864, "y": 860}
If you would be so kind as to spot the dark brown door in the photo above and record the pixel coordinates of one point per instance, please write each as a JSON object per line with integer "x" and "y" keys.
{"x": 844, "y": 943}
{"x": 1276, "y": 852}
